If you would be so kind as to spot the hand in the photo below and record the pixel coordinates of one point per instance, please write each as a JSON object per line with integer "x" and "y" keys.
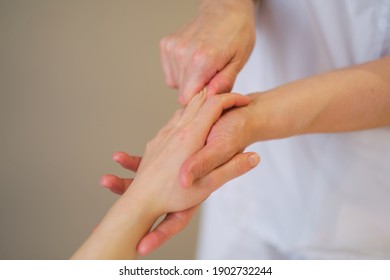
{"x": 120, "y": 185}
{"x": 211, "y": 50}
{"x": 172, "y": 223}
{"x": 223, "y": 136}
{"x": 186, "y": 127}
{"x": 156, "y": 190}
{"x": 157, "y": 180}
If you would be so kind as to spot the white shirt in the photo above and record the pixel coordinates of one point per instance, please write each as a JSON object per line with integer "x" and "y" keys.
{"x": 313, "y": 196}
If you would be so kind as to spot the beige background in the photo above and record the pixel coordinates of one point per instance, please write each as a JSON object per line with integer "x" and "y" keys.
{"x": 79, "y": 80}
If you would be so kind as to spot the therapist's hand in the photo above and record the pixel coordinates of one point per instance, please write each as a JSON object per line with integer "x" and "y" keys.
{"x": 172, "y": 223}
{"x": 211, "y": 50}
{"x": 231, "y": 134}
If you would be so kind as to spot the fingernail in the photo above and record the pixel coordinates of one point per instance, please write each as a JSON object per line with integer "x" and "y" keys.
{"x": 254, "y": 160}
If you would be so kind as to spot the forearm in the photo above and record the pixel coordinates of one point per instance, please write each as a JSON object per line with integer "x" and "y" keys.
{"x": 120, "y": 231}
{"x": 355, "y": 98}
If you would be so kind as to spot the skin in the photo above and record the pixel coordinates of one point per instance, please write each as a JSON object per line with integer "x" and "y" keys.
{"x": 173, "y": 222}
{"x": 193, "y": 58}
{"x": 350, "y": 99}
{"x": 156, "y": 189}
{"x": 197, "y": 56}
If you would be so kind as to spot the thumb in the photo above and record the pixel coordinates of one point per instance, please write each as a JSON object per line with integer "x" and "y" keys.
{"x": 224, "y": 80}
{"x": 195, "y": 79}
{"x": 191, "y": 87}
{"x": 172, "y": 224}
{"x": 203, "y": 162}
{"x": 237, "y": 166}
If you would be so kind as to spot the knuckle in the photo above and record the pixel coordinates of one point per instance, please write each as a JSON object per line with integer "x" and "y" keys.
{"x": 182, "y": 221}
{"x": 203, "y": 169}
{"x": 181, "y": 50}
{"x": 176, "y": 116}
{"x": 164, "y": 43}
{"x": 224, "y": 83}
{"x": 149, "y": 145}
{"x": 170, "y": 82}
{"x": 240, "y": 166}
{"x": 168, "y": 43}
{"x": 184, "y": 132}
{"x": 199, "y": 167}
{"x": 200, "y": 57}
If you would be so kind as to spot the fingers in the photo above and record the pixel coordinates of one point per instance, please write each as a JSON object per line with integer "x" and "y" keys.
{"x": 207, "y": 76}
{"x": 237, "y": 166}
{"x": 214, "y": 107}
{"x": 182, "y": 68}
{"x": 115, "y": 184}
{"x": 224, "y": 80}
{"x": 172, "y": 224}
{"x": 210, "y": 156}
{"x": 210, "y": 49}
{"x": 202, "y": 113}
{"x": 193, "y": 107}
{"x": 195, "y": 78}
{"x": 127, "y": 161}
{"x": 201, "y": 163}
{"x": 165, "y": 62}
{"x": 120, "y": 185}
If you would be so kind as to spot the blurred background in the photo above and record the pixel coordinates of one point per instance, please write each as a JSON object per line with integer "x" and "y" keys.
{"x": 79, "y": 80}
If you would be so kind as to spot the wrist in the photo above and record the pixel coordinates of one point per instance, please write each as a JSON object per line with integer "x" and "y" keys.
{"x": 118, "y": 234}
{"x": 289, "y": 109}
{"x": 270, "y": 116}
{"x": 141, "y": 199}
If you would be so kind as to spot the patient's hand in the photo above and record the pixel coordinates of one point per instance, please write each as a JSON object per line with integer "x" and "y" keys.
{"x": 172, "y": 223}
{"x": 158, "y": 172}
{"x": 157, "y": 179}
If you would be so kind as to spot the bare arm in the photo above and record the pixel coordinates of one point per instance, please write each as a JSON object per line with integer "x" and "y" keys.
{"x": 349, "y": 99}
{"x": 207, "y": 52}
{"x": 354, "y": 98}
